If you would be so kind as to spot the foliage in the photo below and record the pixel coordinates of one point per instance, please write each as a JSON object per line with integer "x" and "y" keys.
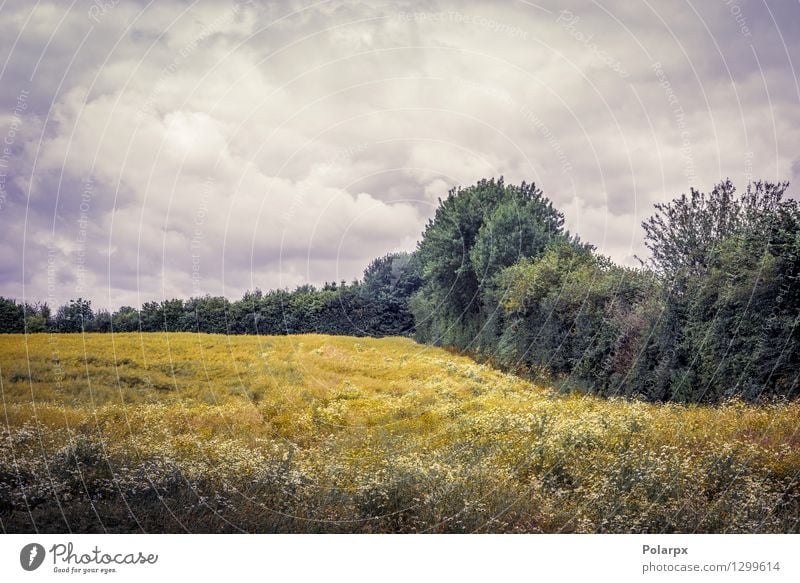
{"x": 388, "y": 284}
{"x": 713, "y": 315}
{"x": 576, "y": 315}
{"x": 474, "y": 234}
{"x": 16, "y": 318}
{"x": 75, "y": 316}
{"x": 730, "y": 268}
{"x": 378, "y": 306}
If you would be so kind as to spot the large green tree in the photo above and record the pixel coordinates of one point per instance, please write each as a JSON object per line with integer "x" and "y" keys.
{"x": 730, "y": 267}
{"x": 475, "y": 233}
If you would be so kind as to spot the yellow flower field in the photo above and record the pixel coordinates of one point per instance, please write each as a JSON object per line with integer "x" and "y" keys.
{"x": 205, "y": 433}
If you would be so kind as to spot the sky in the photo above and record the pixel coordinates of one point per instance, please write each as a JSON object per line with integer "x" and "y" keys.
{"x": 165, "y": 149}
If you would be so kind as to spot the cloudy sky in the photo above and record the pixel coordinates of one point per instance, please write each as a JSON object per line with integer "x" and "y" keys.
{"x": 169, "y": 149}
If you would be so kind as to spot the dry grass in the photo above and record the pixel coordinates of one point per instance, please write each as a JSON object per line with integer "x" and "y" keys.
{"x": 315, "y": 433}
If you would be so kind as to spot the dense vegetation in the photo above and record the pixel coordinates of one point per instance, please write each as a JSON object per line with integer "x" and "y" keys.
{"x": 211, "y": 433}
{"x": 711, "y": 315}
{"x": 375, "y": 306}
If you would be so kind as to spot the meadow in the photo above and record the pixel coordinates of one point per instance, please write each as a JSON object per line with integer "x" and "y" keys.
{"x": 182, "y": 432}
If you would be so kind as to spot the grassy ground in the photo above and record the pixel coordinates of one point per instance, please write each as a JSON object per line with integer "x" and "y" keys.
{"x": 203, "y": 433}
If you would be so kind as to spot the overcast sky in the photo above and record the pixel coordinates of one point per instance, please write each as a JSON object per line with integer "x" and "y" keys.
{"x": 169, "y": 149}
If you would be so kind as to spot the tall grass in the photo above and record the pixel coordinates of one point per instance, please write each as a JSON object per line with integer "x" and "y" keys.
{"x": 205, "y": 433}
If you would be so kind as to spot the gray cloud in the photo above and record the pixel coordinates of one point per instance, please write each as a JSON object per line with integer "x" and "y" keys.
{"x": 177, "y": 148}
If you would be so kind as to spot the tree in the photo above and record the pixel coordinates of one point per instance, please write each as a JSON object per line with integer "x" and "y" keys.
{"x": 12, "y": 317}
{"x": 388, "y": 284}
{"x": 575, "y": 314}
{"x": 37, "y": 317}
{"x": 35, "y": 322}
{"x": 204, "y": 314}
{"x": 682, "y": 234}
{"x": 475, "y": 233}
{"x": 522, "y": 225}
{"x": 126, "y": 319}
{"x": 75, "y": 316}
{"x": 730, "y": 264}
{"x": 101, "y": 322}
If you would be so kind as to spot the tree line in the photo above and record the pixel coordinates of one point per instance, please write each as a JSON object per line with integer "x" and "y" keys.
{"x": 712, "y": 314}
{"x": 376, "y": 305}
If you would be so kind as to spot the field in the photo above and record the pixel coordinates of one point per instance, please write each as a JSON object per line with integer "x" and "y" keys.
{"x": 311, "y": 433}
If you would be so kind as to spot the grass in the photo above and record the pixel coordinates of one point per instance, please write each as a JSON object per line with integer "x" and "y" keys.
{"x": 206, "y": 433}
